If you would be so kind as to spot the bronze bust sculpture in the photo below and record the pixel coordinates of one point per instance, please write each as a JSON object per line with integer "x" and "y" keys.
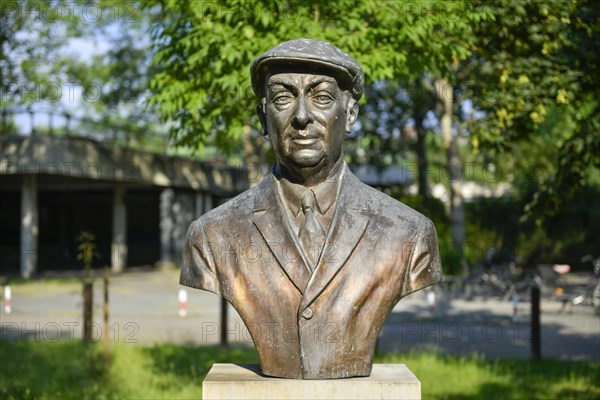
{"x": 312, "y": 259}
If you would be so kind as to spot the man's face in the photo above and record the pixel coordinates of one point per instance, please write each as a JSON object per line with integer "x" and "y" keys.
{"x": 306, "y": 117}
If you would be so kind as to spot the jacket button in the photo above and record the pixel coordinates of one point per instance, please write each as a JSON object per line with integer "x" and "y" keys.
{"x": 307, "y": 313}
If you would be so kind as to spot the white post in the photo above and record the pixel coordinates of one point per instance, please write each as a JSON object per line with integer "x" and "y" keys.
{"x": 7, "y": 300}
{"x": 119, "y": 238}
{"x": 29, "y": 226}
{"x": 182, "y": 302}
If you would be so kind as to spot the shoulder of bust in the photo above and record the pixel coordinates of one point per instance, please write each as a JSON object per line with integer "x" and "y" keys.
{"x": 380, "y": 205}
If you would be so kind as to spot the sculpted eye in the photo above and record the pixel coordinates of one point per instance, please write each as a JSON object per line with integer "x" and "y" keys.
{"x": 323, "y": 99}
{"x": 282, "y": 100}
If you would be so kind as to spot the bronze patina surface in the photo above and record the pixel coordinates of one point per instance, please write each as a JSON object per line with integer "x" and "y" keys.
{"x": 312, "y": 259}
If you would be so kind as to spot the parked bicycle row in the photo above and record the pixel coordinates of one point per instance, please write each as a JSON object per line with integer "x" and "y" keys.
{"x": 513, "y": 282}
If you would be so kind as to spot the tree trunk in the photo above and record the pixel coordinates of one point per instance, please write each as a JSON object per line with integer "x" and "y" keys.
{"x": 88, "y": 303}
{"x": 457, "y": 208}
{"x": 252, "y": 156}
{"x": 419, "y": 115}
{"x": 445, "y": 96}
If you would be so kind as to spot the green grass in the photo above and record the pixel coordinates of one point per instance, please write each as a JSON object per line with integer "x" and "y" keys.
{"x": 451, "y": 377}
{"x": 71, "y": 370}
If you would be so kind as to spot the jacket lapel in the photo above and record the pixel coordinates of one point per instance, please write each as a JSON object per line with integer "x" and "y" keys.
{"x": 348, "y": 226}
{"x": 269, "y": 220}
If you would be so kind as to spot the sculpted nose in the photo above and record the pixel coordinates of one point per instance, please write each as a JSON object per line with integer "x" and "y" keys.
{"x": 302, "y": 115}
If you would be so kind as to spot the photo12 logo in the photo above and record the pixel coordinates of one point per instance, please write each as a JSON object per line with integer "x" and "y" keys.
{"x": 67, "y": 331}
{"x": 465, "y": 332}
{"x": 91, "y": 12}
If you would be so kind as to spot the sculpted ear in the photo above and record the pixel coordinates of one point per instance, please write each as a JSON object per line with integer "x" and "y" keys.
{"x": 351, "y": 113}
{"x": 261, "y": 110}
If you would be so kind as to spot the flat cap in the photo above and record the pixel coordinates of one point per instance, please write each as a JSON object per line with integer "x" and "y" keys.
{"x": 310, "y": 52}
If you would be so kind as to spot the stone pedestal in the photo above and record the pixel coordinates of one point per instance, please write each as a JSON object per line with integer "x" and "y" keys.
{"x": 236, "y": 381}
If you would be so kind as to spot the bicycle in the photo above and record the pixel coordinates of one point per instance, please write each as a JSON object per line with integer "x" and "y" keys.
{"x": 591, "y": 293}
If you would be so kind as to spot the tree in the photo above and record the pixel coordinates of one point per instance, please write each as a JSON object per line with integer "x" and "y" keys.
{"x": 535, "y": 67}
{"x": 516, "y": 64}
{"x": 205, "y": 50}
{"x": 528, "y": 61}
{"x": 42, "y": 64}
{"x": 392, "y": 122}
{"x": 24, "y": 41}
{"x": 378, "y": 139}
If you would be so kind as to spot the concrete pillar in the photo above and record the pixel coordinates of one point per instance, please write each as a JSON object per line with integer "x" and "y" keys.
{"x": 183, "y": 215}
{"x": 199, "y": 205}
{"x": 208, "y": 202}
{"x": 204, "y": 203}
{"x": 29, "y": 226}
{"x": 119, "y": 237}
{"x": 166, "y": 228}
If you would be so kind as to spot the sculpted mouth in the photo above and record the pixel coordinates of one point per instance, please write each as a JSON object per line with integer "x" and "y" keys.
{"x": 305, "y": 141}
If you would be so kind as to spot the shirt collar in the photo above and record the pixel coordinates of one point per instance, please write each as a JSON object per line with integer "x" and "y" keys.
{"x": 325, "y": 193}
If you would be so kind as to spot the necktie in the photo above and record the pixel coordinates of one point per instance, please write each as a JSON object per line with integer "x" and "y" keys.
{"x": 312, "y": 234}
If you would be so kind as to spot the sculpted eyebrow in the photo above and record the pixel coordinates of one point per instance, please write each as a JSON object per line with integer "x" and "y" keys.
{"x": 278, "y": 87}
{"x": 275, "y": 81}
{"x": 324, "y": 79}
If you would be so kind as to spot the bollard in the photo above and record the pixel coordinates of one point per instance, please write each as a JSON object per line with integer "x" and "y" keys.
{"x": 515, "y": 304}
{"x": 431, "y": 300}
{"x": 182, "y": 302}
{"x": 7, "y": 300}
{"x": 536, "y": 348}
{"x": 224, "y": 323}
{"x": 106, "y": 338}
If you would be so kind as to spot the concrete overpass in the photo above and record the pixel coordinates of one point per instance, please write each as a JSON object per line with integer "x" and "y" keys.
{"x": 71, "y": 175}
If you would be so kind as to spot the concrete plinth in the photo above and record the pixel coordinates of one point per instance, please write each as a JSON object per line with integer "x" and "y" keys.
{"x": 233, "y": 381}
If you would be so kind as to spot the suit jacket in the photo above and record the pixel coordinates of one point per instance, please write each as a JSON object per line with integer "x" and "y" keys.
{"x": 321, "y": 324}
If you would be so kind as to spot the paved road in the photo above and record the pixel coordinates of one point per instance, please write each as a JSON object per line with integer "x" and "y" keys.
{"x": 144, "y": 309}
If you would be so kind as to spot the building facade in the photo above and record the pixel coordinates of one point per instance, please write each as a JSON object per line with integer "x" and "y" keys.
{"x": 137, "y": 204}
